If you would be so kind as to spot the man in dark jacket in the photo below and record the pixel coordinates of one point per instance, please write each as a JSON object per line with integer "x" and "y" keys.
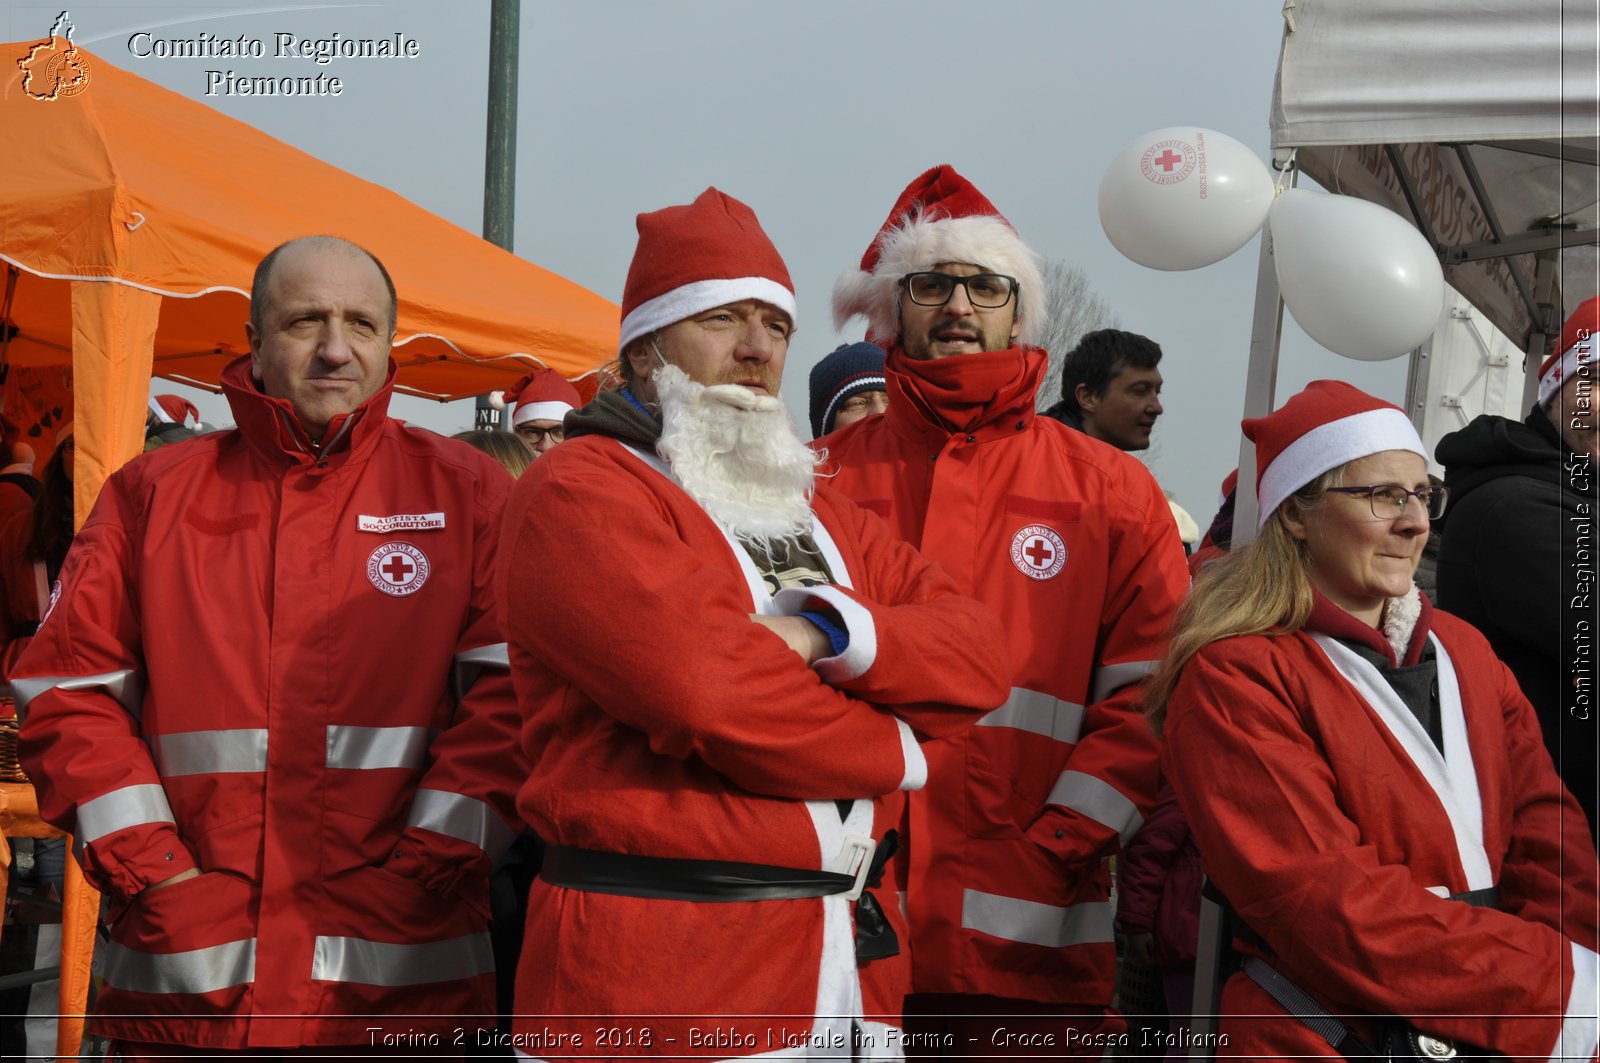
{"x": 1518, "y": 554}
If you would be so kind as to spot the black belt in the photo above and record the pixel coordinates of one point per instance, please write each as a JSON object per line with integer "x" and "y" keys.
{"x": 678, "y": 879}
{"x": 1398, "y": 1039}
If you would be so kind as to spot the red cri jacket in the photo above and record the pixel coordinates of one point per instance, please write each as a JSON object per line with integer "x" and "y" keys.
{"x": 283, "y": 668}
{"x": 1073, "y": 544}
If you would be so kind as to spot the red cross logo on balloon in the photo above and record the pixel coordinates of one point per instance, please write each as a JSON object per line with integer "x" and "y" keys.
{"x": 1038, "y": 552}
{"x": 398, "y": 569}
{"x": 1167, "y": 162}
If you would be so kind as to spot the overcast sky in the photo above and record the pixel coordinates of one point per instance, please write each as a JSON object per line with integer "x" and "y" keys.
{"x": 817, "y": 114}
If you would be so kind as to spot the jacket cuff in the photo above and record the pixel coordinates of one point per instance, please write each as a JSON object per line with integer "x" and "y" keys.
{"x": 916, "y": 776}
{"x": 439, "y": 864}
{"x": 1580, "y": 1032}
{"x": 1056, "y": 832}
{"x": 859, "y": 626}
{"x": 159, "y": 857}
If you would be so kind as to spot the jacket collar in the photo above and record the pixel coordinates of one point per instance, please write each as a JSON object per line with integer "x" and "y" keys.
{"x": 271, "y": 428}
{"x": 987, "y": 396}
{"x": 1328, "y": 619}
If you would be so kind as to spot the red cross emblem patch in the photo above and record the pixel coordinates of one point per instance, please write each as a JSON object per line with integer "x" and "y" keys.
{"x": 397, "y": 569}
{"x": 1168, "y": 162}
{"x": 1038, "y": 552}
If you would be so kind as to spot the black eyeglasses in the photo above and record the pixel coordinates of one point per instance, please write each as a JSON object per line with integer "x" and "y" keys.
{"x": 988, "y": 291}
{"x": 1388, "y": 501}
{"x": 536, "y": 435}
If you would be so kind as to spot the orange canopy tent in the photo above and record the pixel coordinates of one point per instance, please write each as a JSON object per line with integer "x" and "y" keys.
{"x": 133, "y": 218}
{"x": 131, "y": 221}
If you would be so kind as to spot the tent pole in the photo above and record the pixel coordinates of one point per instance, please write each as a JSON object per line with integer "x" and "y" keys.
{"x": 1261, "y": 378}
{"x": 500, "y": 150}
{"x": 1544, "y": 282}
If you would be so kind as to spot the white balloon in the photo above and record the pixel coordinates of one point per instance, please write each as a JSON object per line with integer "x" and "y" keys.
{"x": 1182, "y": 198}
{"x": 1359, "y": 279}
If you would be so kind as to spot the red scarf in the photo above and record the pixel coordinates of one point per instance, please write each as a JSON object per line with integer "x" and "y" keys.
{"x": 966, "y": 391}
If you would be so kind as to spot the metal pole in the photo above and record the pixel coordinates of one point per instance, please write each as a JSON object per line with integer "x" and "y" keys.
{"x": 500, "y": 149}
{"x": 1544, "y": 323}
{"x": 1261, "y": 378}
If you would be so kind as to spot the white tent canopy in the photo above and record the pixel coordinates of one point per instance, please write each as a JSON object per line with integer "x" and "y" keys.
{"x": 1477, "y": 120}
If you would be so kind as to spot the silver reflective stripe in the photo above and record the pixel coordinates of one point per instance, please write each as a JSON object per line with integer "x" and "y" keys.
{"x": 1040, "y": 714}
{"x": 127, "y": 807}
{"x": 200, "y": 971}
{"x": 1109, "y": 678}
{"x": 385, "y": 963}
{"x": 461, "y": 817}
{"x": 1098, "y": 800}
{"x": 377, "y": 747}
{"x": 496, "y": 656}
{"x": 1033, "y": 923}
{"x": 125, "y": 685}
{"x": 470, "y": 664}
{"x": 201, "y": 752}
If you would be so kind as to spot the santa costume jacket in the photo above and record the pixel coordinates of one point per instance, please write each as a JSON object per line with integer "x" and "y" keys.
{"x": 662, "y": 722}
{"x": 1072, "y": 543}
{"x": 1337, "y": 829}
{"x": 282, "y": 666}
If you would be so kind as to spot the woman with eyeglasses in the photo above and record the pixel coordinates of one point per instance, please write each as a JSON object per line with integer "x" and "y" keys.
{"x": 1366, "y": 782}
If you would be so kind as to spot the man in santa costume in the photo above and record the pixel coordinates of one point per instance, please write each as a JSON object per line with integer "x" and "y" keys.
{"x": 538, "y": 402}
{"x": 1071, "y": 541}
{"x": 725, "y": 671}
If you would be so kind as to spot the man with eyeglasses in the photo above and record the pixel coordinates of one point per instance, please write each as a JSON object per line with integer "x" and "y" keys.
{"x": 538, "y": 402}
{"x": 1075, "y": 547}
{"x": 1517, "y": 560}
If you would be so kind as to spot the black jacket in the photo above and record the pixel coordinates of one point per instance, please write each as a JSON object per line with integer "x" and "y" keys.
{"x": 1518, "y": 563}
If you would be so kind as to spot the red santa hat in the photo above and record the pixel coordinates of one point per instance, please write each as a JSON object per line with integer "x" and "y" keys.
{"x": 542, "y": 395}
{"x": 1321, "y": 428}
{"x": 1575, "y": 348}
{"x": 1229, "y": 482}
{"x": 173, "y": 409}
{"x": 692, "y": 258}
{"x": 940, "y": 217}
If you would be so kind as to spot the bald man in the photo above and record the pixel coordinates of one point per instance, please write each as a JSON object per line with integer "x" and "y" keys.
{"x": 295, "y": 834}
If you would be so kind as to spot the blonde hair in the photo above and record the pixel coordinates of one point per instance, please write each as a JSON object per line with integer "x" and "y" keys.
{"x": 508, "y": 448}
{"x": 1260, "y": 587}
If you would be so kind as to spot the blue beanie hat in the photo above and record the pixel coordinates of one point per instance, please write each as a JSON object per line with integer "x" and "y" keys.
{"x": 849, "y": 370}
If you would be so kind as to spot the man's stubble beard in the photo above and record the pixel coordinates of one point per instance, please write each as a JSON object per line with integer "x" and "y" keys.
{"x": 735, "y": 452}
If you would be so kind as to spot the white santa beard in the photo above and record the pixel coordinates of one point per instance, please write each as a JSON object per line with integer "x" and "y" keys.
{"x": 736, "y": 453}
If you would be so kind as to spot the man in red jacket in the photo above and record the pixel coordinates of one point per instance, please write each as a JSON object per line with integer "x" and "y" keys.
{"x": 724, "y": 668}
{"x": 1071, "y": 541}
{"x": 294, "y": 829}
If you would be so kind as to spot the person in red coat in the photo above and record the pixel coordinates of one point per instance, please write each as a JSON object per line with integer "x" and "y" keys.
{"x": 726, "y": 671}
{"x": 1367, "y": 784}
{"x": 1072, "y": 542}
{"x": 269, "y": 699}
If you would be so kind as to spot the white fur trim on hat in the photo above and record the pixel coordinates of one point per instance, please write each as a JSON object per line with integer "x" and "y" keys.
{"x": 1330, "y": 445}
{"x": 540, "y": 411}
{"x": 1551, "y": 380}
{"x": 672, "y": 307}
{"x": 921, "y": 243}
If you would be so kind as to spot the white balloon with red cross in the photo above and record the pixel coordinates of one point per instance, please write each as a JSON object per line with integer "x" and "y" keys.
{"x": 1183, "y": 197}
